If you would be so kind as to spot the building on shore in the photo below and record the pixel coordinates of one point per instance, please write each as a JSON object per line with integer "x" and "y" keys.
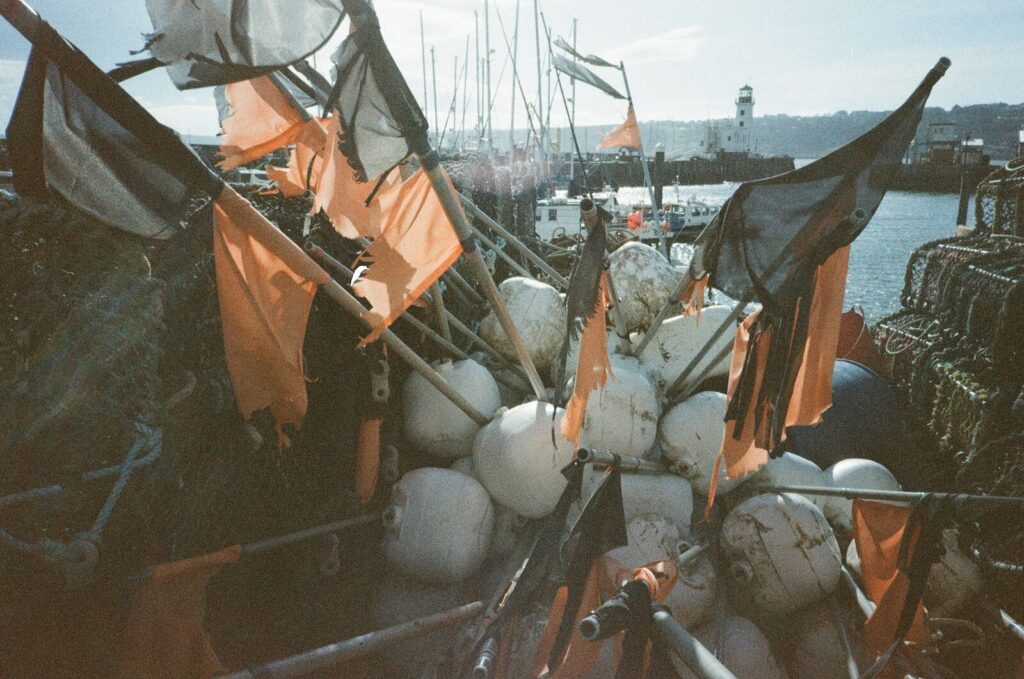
{"x": 734, "y": 137}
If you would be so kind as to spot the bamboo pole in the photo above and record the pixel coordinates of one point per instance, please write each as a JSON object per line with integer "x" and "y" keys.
{"x": 668, "y": 632}
{"x": 456, "y": 279}
{"x": 505, "y": 257}
{"x": 437, "y": 311}
{"x": 903, "y": 496}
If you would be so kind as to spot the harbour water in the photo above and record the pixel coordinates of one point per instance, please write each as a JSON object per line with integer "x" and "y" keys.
{"x": 878, "y": 258}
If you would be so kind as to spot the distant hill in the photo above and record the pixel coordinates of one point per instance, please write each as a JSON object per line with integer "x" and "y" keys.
{"x": 814, "y": 136}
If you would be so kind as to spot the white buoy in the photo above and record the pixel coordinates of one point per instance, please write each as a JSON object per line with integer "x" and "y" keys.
{"x": 853, "y": 558}
{"x": 651, "y": 538}
{"x": 644, "y": 281}
{"x": 436, "y": 425}
{"x": 519, "y": 456}
{"x": 812, "y": 645}
{"x": 741, "y": 647}
{"x": 572, "y": 357}
{"x": 681, "y": 338}
{"x": 854, "y": 473}
{"x": 537, "y": 313}
{"x": 507, "y": 528}
{"x": 400, "y": 600}
{"x": 464, "y": 465}
{"x": 791, "y": 470}
{"x": 695, "y": 593}
{"x": 690, "y": 435}
{"x": 663, "y": 494}
{"x": 781, "y": 551}
{"x": 623, "y": 417}
{"x": 438, "y": 527}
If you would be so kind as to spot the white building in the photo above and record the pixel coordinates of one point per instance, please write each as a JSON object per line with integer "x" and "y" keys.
{"x": 734, "y": 136}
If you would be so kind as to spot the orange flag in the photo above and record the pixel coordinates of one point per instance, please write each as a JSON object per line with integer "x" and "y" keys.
{"x": 626, "y": 135}
{"x": 305, "y": 162}
{"x": 165, "y": 638}
{"x": 416, "y": 245}
{"x": 592, "y": 366}
{"x": 693, "y": 297}
{"x": 260, "y": 120}
{"x": 265, "y": 284}
{"x": 368, "y": 458}
{"x": 343, "y": 199}
{"x": 878, "y": 529}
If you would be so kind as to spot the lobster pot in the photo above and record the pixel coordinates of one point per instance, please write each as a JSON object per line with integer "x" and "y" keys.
{"x": 695, "y": 593}
{"x": 644, "y": 282}
{"x": 651, "y": 537}
{"x": 853, "y": 473}
{"x": 436, "y": 425}
{"x": 519, "y": 456}
{"x": 791, "y": 470}
{"x": 663, "y": 494}
{"x": 739, "y": 645}
{"x": 813, "y": 648}
{"x": 537, "y": 313}
{"x": 622, "y": 417}
{"x": 681, "y": 338}
{"x": 438, "y": 527}
{"x": 999, "y": 207}
{"x": 400, "y": 600}
{"x": 930, "y": 264}
{"x": 690, "y": 435}
{"x": 781, "y": 551}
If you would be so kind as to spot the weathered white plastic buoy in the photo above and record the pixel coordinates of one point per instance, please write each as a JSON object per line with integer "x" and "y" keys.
{"x": 740, "y": 646}
{"x": 537, "y": 313}
{"x": 644, "y": 281}
{"x": 781, "y": 551}
{"x": 438, "y": 526}
{"x": 436, "y": 425}
{"x": 690, "y": 435}
{"x": 953, "y": 582}
{"x": 400, "y": 600}
{"x": 519, "y": 456}
{"x": 854, "y": 473}
{"x": 507, "y": 527}
{"x": 572, "y": 357}
{"x": 695, "y": 593}
{"x": 623, "y": 417}
{"x": 792, "y": 470}
{"x": 681, "y": 338}
{"x": 813, "y": 648}
{"x": 663, "y": 494}
{"x": 464, "y": 465}
{"x": 652, "y": 537}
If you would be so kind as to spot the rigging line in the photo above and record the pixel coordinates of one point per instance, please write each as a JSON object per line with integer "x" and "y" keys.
{"x": 519, "y": 81}
{"x": 452, "y": 107}
{"x": 572, "y": 126}
{"x": 497, "y": 86}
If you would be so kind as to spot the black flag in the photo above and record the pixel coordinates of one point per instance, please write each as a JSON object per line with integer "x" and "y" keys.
{"x": 591, "y": 59}
{"x": 583, "y": 74}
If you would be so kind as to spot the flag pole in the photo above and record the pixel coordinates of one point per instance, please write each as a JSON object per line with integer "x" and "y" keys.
{"x": 655, "y": 212}
{"x": 401, "y": 102}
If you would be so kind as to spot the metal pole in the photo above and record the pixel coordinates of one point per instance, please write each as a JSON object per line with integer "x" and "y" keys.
{"x": 489, "y": 221}
{"x": 452, "y": 275}
{"x": 357, "y": 647}
{"x": 423, "y": 61}
{"x": 465, "y": 96}
{"x": 621, "y": 331}
{"x": 694, "y": 654}
{"x": 508, "y": 259}
{"x": 572, "y": 113}
{"x": 438, "y": 311}
{"x": 479, "y": 88}
{"x": 624, "y": 463}
{"x": 540, "y": 94}
{"x": 433, "y": 70}
{"x": 487, "y": 49}
{"x": 655, "y": 212}
{"x": 515, "y": 76}
{"x": 903, "y": 496}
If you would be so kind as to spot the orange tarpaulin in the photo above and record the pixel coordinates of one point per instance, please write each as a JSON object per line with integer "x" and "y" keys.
{"x": 265, "y": 284}
{"x": 416, "y": 245}
{"x": 878, "y": 530}
{"x": 626, "y": 135}
{"x": 164, "y": 638}
{"x": 343, "y": 199}
{"x": 260, "y": 120}
{"x": 592, "y": 366}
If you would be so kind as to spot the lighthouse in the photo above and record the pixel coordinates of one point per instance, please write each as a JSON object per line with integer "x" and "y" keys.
{"x": 743, "y": 136}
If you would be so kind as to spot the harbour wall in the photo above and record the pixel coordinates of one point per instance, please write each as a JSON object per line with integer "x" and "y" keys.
{"x": 629, "y": 172}
{"x": 938, "y": 178}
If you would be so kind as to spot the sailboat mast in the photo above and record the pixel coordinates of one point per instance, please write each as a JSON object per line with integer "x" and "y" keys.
{"x": 479, "y": 84}
{"x": 655, "y": 212}
{"x": 515, "y": 75}
{"x": 423, "y": 62}
{"x": 487, "y": 56}
{"x": 540, "y": 93}
{"x": 433, "y": 69}
{"x": 465, "y": 93}
{"x": 572, "y": 114}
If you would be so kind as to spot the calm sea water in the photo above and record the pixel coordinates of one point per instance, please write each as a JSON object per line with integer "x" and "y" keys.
{"x": 878, "y": 258}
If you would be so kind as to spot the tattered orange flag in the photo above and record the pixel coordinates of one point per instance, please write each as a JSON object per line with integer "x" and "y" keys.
{"x": 260, "y": 119}
{"x": 305, "y": 162}
{"x": 625, "y": 136}
{"x": 878, "y": 529}
{"x": 368, "y": 458}
{"x": 592, "y": 366}
{"x": 165, "y": 638}
{"x": 265, "y": 284}
{"x": 416, "y": 245}
{"x": 343, "y": 199}
{"x": 693, "y": 296}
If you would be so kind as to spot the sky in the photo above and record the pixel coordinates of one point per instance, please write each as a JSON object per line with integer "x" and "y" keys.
{"x": 685, "y": 60}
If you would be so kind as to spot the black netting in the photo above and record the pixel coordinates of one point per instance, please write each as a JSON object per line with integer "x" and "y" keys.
{"x": 999, "y": 205}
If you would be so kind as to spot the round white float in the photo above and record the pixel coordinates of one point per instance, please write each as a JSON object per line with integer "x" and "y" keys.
{"x": 663, "y": 494}
{"x": 517, "y": 461}
{"x": 741, "y": 647}
{"x": 438, "y": 527}
{"x": 651, "y": 538}
{"x": 644, "y": 281}
{"x": 436, "y": 425}
{"x": 812, "y": 646}
{"x": 538, "y": 314}
{"x": 681, "y": 338}
{"x": 623, "y": 417}
{"x": 791, "y": 470}
{"x": 690, "y": 435}
{"x": 695, "y": 593}
{"x": 781, "y": 551}
{"x": 507, "y": 527}
{"x": 854, "y": 473}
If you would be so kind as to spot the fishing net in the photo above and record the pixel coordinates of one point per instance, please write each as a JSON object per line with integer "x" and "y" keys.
{"x": 929, "y": 264}
{"x": 999, "y": 205}
{"x": 907, "y": 341}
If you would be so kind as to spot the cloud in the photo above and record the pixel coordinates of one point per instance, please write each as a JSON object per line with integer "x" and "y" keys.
{"x": 672, "y": 46}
